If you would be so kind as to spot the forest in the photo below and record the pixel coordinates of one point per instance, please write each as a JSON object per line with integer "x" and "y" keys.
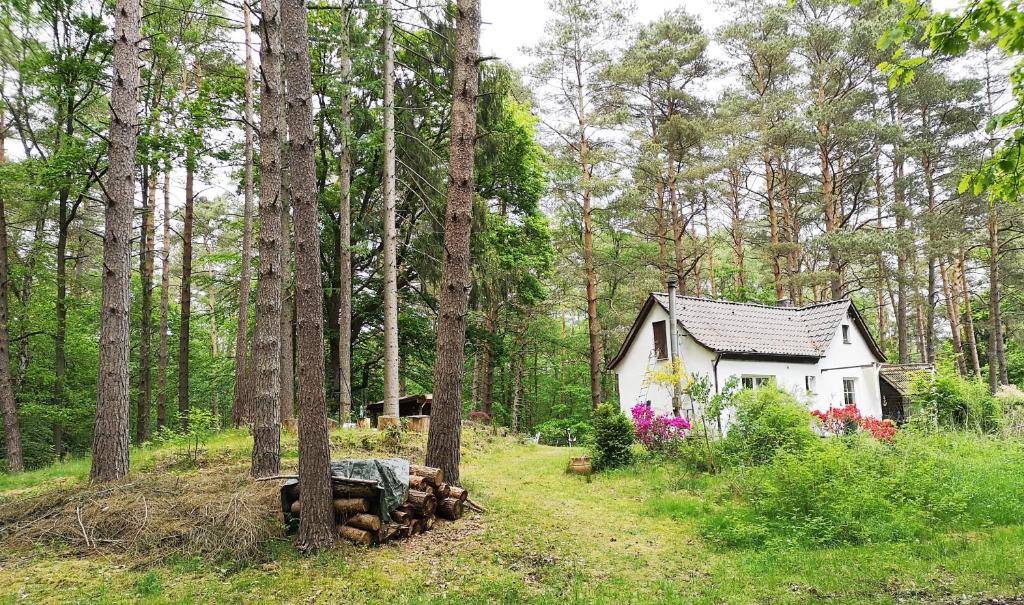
{"x": 810, "y": 150}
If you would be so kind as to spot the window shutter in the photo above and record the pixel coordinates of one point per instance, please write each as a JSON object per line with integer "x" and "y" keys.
{"x": 660, "y": 340}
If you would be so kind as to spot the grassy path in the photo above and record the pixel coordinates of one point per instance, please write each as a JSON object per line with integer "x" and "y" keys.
{"x": 625, "y": 537}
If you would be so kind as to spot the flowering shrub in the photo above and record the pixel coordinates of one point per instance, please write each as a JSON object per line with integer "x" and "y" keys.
{"x": 656, "y": 432}
{"x": 883, "y": 430}
{"x": 848, "y": 420}
{"x": 840, "y": 421}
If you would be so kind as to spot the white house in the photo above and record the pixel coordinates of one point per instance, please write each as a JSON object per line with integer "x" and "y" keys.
{"x": 822, "y": 353}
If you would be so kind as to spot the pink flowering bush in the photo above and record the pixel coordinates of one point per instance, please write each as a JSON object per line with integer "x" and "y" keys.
{"x": 657, "y": 432}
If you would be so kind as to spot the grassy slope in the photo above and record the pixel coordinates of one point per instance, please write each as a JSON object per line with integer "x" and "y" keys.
{"x": 626, "y": 537}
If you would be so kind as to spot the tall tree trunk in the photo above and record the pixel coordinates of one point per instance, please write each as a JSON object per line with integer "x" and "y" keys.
{"x": 345, "y": 232}
{"x": 61, "y": 313}
{"x": 710, "y": 244}
{"x": 111, "y": 433}
{"x": 8, "y": 405}
{"x": 241, "y": 406}
{"x": 449, "y": 365}
{"x": 287, "y": 312}
{"x": 165, "y": 292}
{"x": 997, "y": 372}
{"x": 773, "y": 225}
{"x": 928, "y": 168}
{"x": 211, "y": 300}
{"x": 316, "y": 528}
{"x": 593, "y": 322}
{"x": 390, "y": 237}
{"x": 972, "y": 341}
{"x": 952, "y": 308}
{"x": 147, "y": 249}
{"x": 186, "y": 293}
{"x": 736, "y": 216}
{"x": 659, "y": 192}
{"x": 267, "y": 337}
{"x": 902, "y": 290}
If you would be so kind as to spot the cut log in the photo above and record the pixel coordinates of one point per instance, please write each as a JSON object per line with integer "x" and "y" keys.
{"x": 354, "y": 534}
{"x": 419, "y": 424}
{"x": 428, "y": 523}
{"x": 363, "y": 423}
{"x": 458, "y": 492}
{"x": 450, "y": 508}
{"x": 421, "y": 503}
{"x": 370, "y": 523}
{"x": 443, "y": 491}
{"x": 417, "y": 482}
{"x": 383, "y": 422}
{"x": 351, "y": 506}
{"x": 390, "y": 532}
{"x": 400, "y": 516}
{"x": 434, "y": 476}
{"x": 296, "y": 507}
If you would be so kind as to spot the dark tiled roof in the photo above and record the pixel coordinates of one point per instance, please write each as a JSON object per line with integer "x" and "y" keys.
{"x": 729, "y": 327}
{"x": 900, "y": 376}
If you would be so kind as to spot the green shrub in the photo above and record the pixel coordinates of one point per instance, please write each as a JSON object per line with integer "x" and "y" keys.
{"x": 613, "y": 436}
{"x": 856, "y": 490}
{"x": 552, "y": 432}
{"x": 954, "y": 403}
{"x": 768, "y": 422}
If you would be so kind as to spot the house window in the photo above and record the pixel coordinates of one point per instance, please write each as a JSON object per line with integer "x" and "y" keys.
{"x": 846, "y": 334}
{"x": 849, "y": 391}
{"x": 809, "y": 384}
{"x": 755, "y": 382}
{"x": 660, "y": 340}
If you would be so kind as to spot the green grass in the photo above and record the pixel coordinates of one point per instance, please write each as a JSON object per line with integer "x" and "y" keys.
{"x": 629, "y": 536}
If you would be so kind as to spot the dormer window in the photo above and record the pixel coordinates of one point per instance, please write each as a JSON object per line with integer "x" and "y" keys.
{"x": 846, "y": 334}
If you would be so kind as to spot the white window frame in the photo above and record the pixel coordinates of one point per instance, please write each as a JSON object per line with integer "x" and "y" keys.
{"x": 810, "y": 383}
{"x": 756, "y": 380}
{"x": 850, "y": 396}
{"x": 846, "y": 334}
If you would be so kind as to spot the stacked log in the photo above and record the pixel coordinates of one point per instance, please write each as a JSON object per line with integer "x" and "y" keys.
{"x": 357, "y": 506}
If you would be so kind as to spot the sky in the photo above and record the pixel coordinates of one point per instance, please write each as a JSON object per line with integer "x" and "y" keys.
{"x": 509, "y": 25}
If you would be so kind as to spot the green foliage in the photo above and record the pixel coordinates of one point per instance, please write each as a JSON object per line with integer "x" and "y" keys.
{"x": 856, "y": 490}
{"x": 613, "y": 438}
{"x": 952, "y": 402}
{"x": 202, "y": 424}
{"x": 552, "y": 431}
{"x": 768, "y": 422}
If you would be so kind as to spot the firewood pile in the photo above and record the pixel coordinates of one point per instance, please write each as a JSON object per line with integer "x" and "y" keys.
{"x": 357, "y": 506}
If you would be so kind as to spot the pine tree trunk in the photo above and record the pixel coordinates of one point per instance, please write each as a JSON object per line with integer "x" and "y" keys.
{"x": 593, "y": 322}
{"x": 111, "y": 433}
{"x": 997, "y": 372}
{"x": 773, "y": 226}
{"x": 267, "y": 337}
{"x": 165, "y": 292}
{"x": 316, "y": 528}
{"x": 446, "y": 410}
{"x": 287, "y": 312}
{"x": 952, "y": 308}
{"x": 390, "y": 251}
{"x": 8, "y": 405}
{"x": 972, "y": 341}
{"x": 902, "y": 291}
{"x": 185, "y": 302}
{"x": 345, "y": 233}
{"x": 147, "y": 249}
{"x": 736, "y": 216}
{"x": 241, "y": 406}
{"x": 61, "y": 315}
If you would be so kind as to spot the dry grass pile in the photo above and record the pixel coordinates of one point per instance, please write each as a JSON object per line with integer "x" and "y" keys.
{"x": 217, "y": 512}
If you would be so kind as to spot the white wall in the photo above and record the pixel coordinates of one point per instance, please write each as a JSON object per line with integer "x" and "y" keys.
{"x": 853, "y": 360}
{"x": 634, "y": 384}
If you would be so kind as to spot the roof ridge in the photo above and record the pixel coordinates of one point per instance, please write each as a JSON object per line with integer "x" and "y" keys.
{"x": 753, "y": 304}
